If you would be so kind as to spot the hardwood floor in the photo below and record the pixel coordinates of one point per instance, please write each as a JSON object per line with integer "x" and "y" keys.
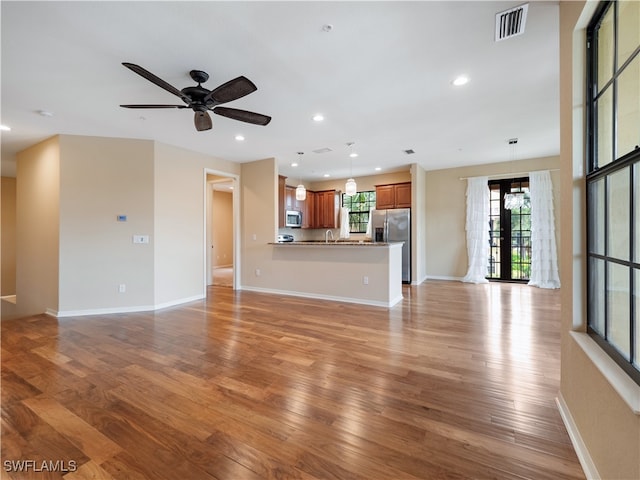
{"x": 458, "y": 381}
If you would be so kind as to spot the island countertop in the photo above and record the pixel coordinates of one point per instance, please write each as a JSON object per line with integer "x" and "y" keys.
{"x": 333, "y": 243}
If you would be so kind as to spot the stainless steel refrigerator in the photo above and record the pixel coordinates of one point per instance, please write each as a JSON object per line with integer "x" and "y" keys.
{"x": 394, "y": 225}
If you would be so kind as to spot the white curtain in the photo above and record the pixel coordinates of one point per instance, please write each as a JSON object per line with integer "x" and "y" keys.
{"x": 344, "y": 223}
{"x": 544, "y": 258}
{"x": 368, "y": 234}
{"x": 477, "y": 227}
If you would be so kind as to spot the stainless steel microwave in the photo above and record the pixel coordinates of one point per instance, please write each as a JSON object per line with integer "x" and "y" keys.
{"x": 293, "y": 219}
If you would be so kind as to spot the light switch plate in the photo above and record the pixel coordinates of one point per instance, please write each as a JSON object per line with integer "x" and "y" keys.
{"x": 141, "y": 239}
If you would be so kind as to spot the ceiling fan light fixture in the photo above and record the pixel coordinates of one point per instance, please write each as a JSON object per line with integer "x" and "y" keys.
{"x": 202, "y": 121}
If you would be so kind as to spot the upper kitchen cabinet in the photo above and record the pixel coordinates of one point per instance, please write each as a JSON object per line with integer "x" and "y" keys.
{"x": 397, "y": 195}
{"x": 326, "y": 209}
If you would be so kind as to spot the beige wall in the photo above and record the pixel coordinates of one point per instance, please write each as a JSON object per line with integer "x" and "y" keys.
{"x": 259, "y": 207}
{"x": 37, "y": 228}
{"x": 445, "y": 206}
{"x": 222, "y": 221}
{"x": 419, "y": 226}
{"x": 101, "y": 178}
{"x": 595, "y": 394}
{"x": 180, "y": 202}
{"x": 73, "y": 254}
{"x": 8, "y": 236}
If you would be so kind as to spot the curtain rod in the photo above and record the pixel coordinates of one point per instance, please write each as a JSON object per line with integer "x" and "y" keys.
{"x": 507, "y": 175}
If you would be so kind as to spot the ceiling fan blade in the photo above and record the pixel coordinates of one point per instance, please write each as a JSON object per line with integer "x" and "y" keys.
{"x": 202, "y": 121}
{"x": 154, "y": 106}
{"x": 157, "y": 80}
{"x": 232, "y": 90}
{"x": 242, "y": 115}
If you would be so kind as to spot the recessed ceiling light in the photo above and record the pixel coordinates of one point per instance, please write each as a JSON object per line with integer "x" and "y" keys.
{"x": 326, "y": 175}
{"x": 377, "y": 169}
{"x": 239, "y": 138}
{"x": 460, "y": 80}
{"x": 353, "y": 154}
{"x": 318, "y": 117}
{"x": 4, "y": 128}
{"x": 294, "y": 164}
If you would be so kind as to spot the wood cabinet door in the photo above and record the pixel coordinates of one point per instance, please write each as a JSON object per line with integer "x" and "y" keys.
{"x": 403, "y": 195}
{"x": 308, "y": 211}
{"x": 385, "y": 197}
{"x": 290, "y": 198}
{"x": 281, "y": 201}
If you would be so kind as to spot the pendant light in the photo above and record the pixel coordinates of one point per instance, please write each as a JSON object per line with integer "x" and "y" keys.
{"x": 350, "y": 188}
{"x": 301, "y": 192}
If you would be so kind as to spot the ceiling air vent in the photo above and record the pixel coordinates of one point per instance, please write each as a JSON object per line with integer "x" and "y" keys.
{"x": 322, "y": 150}
{"x": 510, "y": 23}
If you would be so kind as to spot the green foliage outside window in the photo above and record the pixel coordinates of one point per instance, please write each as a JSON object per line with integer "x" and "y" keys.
{"x": 359, "y": 206}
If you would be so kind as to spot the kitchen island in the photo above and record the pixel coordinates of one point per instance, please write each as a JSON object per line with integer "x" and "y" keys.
{"x": 358, "y": 272}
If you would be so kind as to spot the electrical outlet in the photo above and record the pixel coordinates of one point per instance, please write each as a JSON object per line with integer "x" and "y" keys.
{"x": 365, "y": 280}
{"x": 122, "y": 288}
{"x": 257, "y": 272}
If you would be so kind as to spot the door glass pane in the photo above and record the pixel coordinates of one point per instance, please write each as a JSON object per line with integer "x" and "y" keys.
{"x": 618, "y": 230}
{"x": 596, "y": 294}
{"x": 605, "y": 49}
{"x": 636, "y": 281}
{"x": 494, "y": 232}
{"x": 604, "y": 112}
{"x": 629, "y": 108}
{"x": 596, "y": 217}
{"x": 619, "y": 315}
{"x": 636, "y": 206}
{"x": 628, "y": 29}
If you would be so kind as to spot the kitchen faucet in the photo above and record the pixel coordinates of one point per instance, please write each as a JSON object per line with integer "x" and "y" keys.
{"x": 328, "y": 234}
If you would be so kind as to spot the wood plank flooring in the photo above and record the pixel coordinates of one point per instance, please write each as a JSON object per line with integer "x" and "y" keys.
{"x": 457, "y": 381}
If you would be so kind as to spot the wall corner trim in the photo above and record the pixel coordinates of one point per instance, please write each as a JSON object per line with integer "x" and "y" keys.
{"x": 589, "y": 468}
{"x": 628, "y": 390}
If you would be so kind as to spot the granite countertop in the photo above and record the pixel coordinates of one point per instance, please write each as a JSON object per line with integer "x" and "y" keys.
{"x": 339, "y": 243}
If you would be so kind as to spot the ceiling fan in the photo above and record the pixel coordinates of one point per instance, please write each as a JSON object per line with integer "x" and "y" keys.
{"x": 201, "y": 100}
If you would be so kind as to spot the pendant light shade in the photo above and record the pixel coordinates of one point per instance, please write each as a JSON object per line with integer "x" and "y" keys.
{"x": 301, "y": 192}
{"x": 350, "y": 188}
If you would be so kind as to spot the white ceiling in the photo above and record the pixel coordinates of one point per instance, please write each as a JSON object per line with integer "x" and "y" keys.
{"x": 381, "y": 77}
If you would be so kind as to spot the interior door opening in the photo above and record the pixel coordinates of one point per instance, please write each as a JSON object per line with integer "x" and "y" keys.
{"x": 221, "y": 251}
{"x": 509, "y": 230}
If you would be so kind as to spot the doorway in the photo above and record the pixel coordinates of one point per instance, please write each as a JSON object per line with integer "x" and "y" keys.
{"x": 221, "y": 227}
{"x": 509, "y": 230}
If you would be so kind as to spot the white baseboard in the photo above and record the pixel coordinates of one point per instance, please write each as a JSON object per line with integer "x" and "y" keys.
{"x": 589, "y": 468}
{"x": 318, "y": 296}
{"x": 132, "y": 309}
{"x": 444, "y": 277}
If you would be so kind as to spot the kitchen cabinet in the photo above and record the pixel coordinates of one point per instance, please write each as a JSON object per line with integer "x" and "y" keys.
{"x": 281, "y": 200}
{"x": 308, "y": 210}
{"x": 319, "y": 209}
{"x": 396, "y": 195}
{"x": 326, "y": 209}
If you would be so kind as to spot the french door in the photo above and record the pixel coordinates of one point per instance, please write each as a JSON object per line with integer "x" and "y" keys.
{"x": 509, "y": 230}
